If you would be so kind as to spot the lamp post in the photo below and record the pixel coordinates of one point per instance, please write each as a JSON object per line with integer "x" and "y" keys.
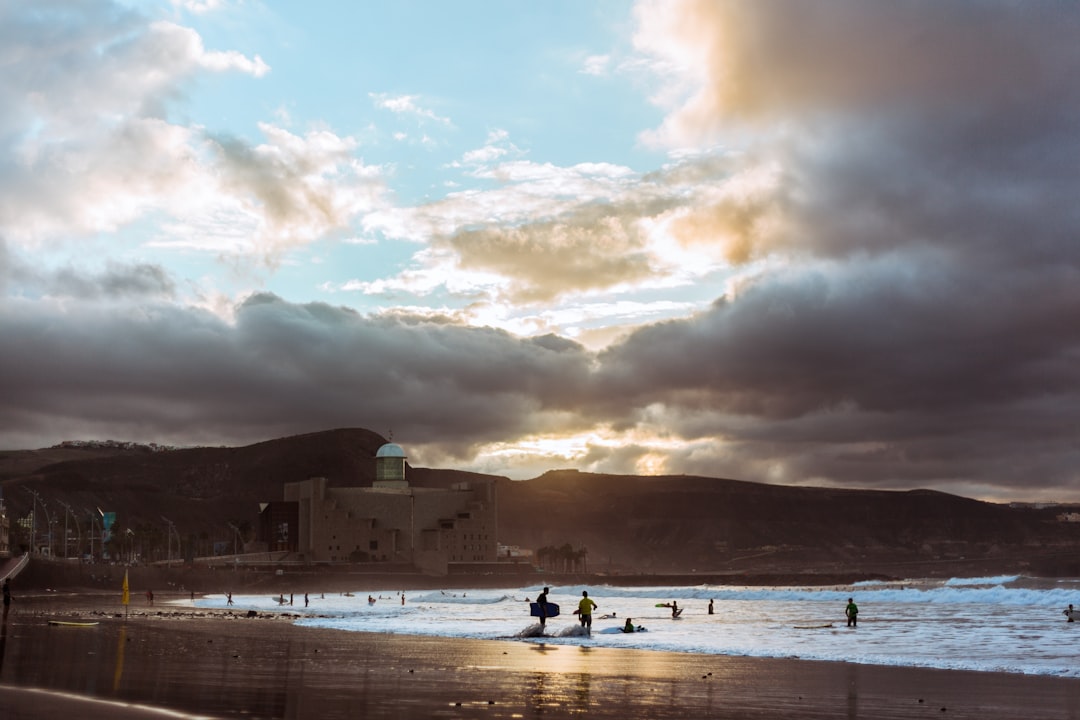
{"x": 48, "y": 524}
{"x": 130, "y": 534}
{"x": 168, "y": 539}
{"x": 93, "y": 519}
{"x": 78, "y": 530}
{"x": 171, "y": 529}
{"x": 236, "y": 539}
{"x": 33, "y": 521}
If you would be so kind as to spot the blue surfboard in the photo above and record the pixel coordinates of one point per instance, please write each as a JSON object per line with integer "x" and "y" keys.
{"x": 552, "y": 609}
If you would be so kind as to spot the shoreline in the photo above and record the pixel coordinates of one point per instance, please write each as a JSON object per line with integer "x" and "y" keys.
{"x": 213, "y": 664}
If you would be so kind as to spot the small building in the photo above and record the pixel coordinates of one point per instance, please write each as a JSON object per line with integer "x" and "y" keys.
{"x": 388, "y": 522}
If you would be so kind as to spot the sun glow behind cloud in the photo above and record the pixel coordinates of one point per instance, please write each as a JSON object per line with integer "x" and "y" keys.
{"x": 632, "y": 452}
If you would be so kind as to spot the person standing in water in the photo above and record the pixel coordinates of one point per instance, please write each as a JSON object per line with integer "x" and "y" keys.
{"x": 542, "y": 605}
{"x": 585, "y": 607}
{"x": 710, "y": 606}
{"x": 852, "y": 612}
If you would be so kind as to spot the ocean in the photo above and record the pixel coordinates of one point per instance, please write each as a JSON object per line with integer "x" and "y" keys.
{"x": 1011, "y": 624}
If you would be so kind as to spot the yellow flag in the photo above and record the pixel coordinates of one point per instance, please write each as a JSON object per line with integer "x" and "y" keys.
{"x": 127, "y": 593}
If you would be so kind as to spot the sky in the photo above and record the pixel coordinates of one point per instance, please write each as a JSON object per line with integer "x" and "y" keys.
{"x": 811, "y": 243}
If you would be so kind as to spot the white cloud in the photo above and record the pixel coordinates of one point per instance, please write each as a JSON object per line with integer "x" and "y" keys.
{"x": 596, "y": 65}
{"x": 405, "y": 105}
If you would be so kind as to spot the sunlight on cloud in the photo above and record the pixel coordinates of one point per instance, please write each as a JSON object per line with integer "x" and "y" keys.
{"x": 595, "y": 451}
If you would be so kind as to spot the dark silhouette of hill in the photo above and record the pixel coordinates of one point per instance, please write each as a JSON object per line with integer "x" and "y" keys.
{"x": 626, "y": 524}
{"x": 713, "y": 525}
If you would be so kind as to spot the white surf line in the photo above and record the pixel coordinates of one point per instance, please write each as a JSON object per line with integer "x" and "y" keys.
{"x": 163, "y": 712}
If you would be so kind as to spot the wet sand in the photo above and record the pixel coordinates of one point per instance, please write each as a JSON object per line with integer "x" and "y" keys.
{"x": 212, "y": 664}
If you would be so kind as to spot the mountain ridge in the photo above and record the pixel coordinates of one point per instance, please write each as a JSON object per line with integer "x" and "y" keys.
{"x": 619, "y": 523}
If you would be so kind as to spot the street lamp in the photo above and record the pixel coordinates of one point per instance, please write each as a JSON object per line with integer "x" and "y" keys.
{"x": 236, "y": 539}
{"x": 33, "y": 521}
{"x": 169, "y": 532}
{"x": 78, "y": 530}
{"x": 93, "y": 519}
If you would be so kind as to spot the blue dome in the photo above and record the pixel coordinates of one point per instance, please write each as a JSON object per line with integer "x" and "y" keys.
{"x": 390, "y": 450}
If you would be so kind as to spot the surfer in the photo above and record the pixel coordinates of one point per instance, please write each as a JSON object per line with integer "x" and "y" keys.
{"x": 710, "y": 606}
{"x": 585, "y": 607}
{"x": 1068, "y": 613}
{"x": 541, "y": 603}
{"x": 629, "y": 626}
{"x": 852, "y": 612}
{"x": 675, "y": 611}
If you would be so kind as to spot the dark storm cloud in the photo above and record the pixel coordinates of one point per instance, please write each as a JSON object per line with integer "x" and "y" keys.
{"x": 919, "y": 319}
{"x": 185, "y": 376}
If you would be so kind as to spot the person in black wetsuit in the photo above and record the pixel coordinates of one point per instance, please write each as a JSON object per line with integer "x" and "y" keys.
{"x": 541, "y": 602}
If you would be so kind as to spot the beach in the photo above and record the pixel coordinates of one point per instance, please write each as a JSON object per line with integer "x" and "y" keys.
{"x": 195, "y": 663}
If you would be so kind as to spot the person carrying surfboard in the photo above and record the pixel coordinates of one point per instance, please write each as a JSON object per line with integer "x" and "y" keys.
{"x": 541, "y": 601}
{"x": 585, "y": 607}
{"x": 852, "y": 612}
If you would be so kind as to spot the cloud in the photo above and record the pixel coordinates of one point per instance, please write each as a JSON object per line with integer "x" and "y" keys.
{"x": 280, "y": 368}
{"x": 86, "y": 108}
{"x": 775, "y": 60}
{"x": 406, "y": 105}
{"x": 596, "y": 65}
{"x": 296, "y": 189}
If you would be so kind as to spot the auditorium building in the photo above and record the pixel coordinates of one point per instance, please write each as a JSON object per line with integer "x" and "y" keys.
{"x": 390, "y": 522}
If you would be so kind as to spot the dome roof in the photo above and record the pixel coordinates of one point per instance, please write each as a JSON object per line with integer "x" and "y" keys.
{"x": 390, "y": 450}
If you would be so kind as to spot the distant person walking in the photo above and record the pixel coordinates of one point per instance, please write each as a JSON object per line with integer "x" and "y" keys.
{"x": 305, "y": 600}
{"x": 852, "y": 612}
{"x": 585, "y": 607}
{"x": 541, "y": 604}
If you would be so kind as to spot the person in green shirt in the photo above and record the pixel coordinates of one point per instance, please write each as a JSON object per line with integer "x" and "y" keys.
{"x": 585, "y": 607}
{"x": 852, "y": 612}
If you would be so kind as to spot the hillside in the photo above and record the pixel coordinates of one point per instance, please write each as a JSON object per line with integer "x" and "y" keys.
{"x": 627, "y": 524}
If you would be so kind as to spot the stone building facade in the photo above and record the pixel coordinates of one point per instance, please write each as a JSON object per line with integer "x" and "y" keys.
{"x": 392, "y": 522}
